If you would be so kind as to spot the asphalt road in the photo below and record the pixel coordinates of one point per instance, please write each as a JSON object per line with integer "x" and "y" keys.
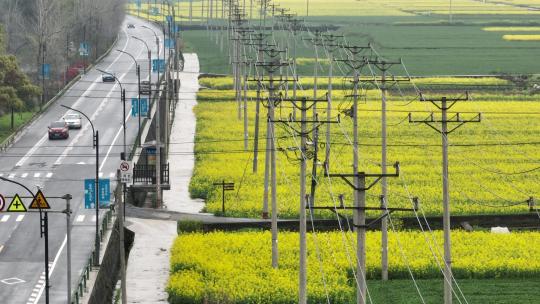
{"x": 59, "y": 167}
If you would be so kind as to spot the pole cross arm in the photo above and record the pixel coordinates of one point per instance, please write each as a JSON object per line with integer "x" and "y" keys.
{"x": 378, "y": 177}
{"x": 457, "y": 118}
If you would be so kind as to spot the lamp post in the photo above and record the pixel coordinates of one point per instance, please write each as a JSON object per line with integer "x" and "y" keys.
{"x": 157, "y": 45}
{"x": 123, "y": 99}
{"x": 138, "y": 70}
{"x": 158, "y": 131}
{"x": 149, "y": 61}
{"x": 95, "y": 136}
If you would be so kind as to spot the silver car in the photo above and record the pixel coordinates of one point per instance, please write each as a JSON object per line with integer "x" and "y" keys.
{"x": 73, "y": 121}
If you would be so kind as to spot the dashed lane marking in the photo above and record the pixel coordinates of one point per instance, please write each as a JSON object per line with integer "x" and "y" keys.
{"x": 5, "y": 218}
{"x": 19, "y": 218}
{"x": 37, "y": 174}
{"x": 24, "y": 175}
{"x": 49, "y": 175}
{"x": 79, "y": 218}
{"x": 12, "y": 175}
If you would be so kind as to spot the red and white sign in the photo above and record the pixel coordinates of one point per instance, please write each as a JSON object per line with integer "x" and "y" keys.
{"x": 126, "y": 172}
{"x": 2, "y": 202}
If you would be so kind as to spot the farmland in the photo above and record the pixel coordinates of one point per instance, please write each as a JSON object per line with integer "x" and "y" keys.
{"x": 436, "y": 49}
{"x": 236, "y": 267}
{"x": 477, "y": 162}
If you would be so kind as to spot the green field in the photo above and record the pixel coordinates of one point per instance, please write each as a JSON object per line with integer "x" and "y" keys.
{"x": 236, "y": 268}
{"x": 485, "y": 158}
{"x": 5, "y": 123}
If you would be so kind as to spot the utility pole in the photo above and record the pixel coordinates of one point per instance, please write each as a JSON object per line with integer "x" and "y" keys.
{"x": 303, "y": 133}
{"x": 384, "y": 66}
{"x": 444, "y": 104}
{"x": 271, "y": 66}
{"x": 121, "y": 204}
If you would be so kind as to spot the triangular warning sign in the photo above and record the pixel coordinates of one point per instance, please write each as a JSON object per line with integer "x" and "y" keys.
{"x": 16, "y": 205}
{"x": 39, "y": 202}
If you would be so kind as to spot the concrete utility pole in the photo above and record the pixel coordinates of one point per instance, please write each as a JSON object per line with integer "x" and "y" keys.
{"x": 303, "y": 133}
{"x": 444, "y": 104}
{"x": 68, "y": 198}
{"x": 271, "y": 66}
{"x": 384, "y": 66}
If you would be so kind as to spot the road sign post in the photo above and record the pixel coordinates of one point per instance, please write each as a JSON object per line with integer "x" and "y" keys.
{"x": 224, "y": 187}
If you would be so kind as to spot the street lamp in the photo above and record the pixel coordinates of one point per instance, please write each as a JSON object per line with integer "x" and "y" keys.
{"x": 157, "y": 45}
{"x": 95, "y": 136}
{"x": 123, "y": 99}
{"x": 138, "y": 70}
{"x": 149, "y": 61}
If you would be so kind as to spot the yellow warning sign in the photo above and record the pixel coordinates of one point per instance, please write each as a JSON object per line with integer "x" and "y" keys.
{"x": 39, "y": 202}
{"x": 16, "y": 205}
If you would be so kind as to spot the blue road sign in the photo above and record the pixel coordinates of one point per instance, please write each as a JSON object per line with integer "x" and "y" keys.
{"x": 169, "y": 43}
{"x": 90, "y": 193}
{"x": 83, "y": 49}
{"x": 144, "y": 107}
{"x": 158, "y": 63}
{"x": 104, "y": 191}
{"x": 169, "y": 18}
{"x": 134, "y": 107}
{"x": 45, "y": 71}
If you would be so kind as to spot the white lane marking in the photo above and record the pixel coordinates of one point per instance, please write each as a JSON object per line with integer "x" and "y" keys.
{"x": 12, "y": 175}
{"x": 37, "y": 174}
{"x": 96, "y": 113}
{"x": 51, "y": 269}
{"x": 100, "y": 174}
{"x": 111, "y": 175}
{"x": 19, "y": 218}
{"x": 1, "y": 174}
{"x": 24, "y": 175}
{"x": 1, "y": 248}
{"x": 5, "y": 218}
{"x": 79, "y": 218}
{"x": 33, "y": 295}
{"x": 49, "y": 175}
{"x": 91, "y": 87}
{"x": 31, "y": 151}
{"x": 93, "y": 218}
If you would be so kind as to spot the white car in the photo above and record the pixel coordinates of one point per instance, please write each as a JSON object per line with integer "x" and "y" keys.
{"x": 73, "y": 121}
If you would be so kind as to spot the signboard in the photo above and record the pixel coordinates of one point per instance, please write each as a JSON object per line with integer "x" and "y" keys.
{"x": 126, "y": 171}
{"x": 16, "y": 205}
{"x": 134, "y": 107}
{"x": 151, "y": 155}
{"x": 169, "y": 19}
{"x": 2, "y": 202}
{"x": 83, "y": 49}
{"x": 39, "y": 202}
{"x": 90, "y": 193}
{"x": 46, "y": 71}
{"x": 158, "y": 63}
{"x": 169, "y": 43}
{"x": 144, "y": 107}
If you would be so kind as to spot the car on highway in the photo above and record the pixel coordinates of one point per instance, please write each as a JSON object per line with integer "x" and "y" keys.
{"x": 145, "y": 87}
{"x": 73, "y": 120}
{"x": 58, "y": 129}
{"x": 131, "y": 26}
{"x": 108, "y": 77}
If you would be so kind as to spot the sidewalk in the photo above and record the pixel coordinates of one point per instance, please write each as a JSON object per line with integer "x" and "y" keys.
{"x": 148, "y": 265}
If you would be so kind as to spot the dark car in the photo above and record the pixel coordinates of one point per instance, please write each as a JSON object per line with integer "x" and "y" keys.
{"x": 131, "y": 26}
{"x": 145, "y": 87}
{"x": 58, "y": 129}
{"x": 108, "y": 77}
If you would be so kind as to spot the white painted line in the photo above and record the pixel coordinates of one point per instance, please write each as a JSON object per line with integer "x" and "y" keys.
{"x": 12, "y": 175}
{"x": 24, "y": 175}
{"x": 111, "y": 175}
{"x": 31, "y": 151}
{"x": 37, "y": 174}
{"x": 33, "y": 295}
{"x": 1, "y": 248}
{"x": 1, "y": 174}
{"x": 42, "y": 281}
{"x": 19, "y": 218}
{"x": 51, "y": 269}
{"x": 100, "y": 174}
{"x": 49, "y": 175}
{"x": 79, "y": 218}
{"x": 5, "y": 218}
{"x": 93, "y": 218}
